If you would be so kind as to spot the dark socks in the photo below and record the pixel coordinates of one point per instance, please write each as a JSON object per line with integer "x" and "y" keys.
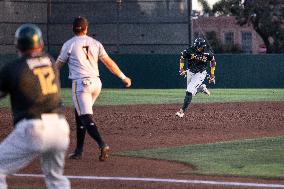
{"x": 186, "y": 102}
{"x": 92, "y": 129}
{"x": 81, "y": 132}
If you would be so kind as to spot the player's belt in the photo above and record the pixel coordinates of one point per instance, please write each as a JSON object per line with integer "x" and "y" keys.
{"x": 88, "y": 77}
{"x": 35, "y": 116}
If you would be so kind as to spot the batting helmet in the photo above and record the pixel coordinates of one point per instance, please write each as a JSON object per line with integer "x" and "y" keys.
{"x": 199, "y": 43}
{"x": 27, "y": 37}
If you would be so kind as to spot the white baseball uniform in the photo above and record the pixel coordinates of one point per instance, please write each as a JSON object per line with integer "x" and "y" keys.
{"x": 82, "y": 54}
{"x": 194, "y": 82}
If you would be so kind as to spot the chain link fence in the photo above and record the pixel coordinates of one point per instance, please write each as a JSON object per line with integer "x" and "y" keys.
{"x": 123, "y": 26}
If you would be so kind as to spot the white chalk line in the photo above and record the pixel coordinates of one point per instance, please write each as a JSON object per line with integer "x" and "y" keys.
{"x": 178, "y": 181}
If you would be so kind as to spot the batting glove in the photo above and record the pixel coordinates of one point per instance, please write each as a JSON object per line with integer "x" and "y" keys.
{"x": 212, "y": 79}
{"x": 183, "y": 73}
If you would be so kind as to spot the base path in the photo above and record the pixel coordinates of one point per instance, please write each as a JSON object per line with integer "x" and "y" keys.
{"x": 170, "y": 181}
{"x": 152, "y": 126}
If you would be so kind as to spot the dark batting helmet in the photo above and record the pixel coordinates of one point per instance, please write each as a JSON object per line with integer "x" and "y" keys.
{"x": 28, "y": 37}
{"x": 199, "y": 43}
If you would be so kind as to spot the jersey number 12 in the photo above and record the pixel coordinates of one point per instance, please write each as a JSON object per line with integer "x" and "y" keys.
{"x": 46, "y": 77}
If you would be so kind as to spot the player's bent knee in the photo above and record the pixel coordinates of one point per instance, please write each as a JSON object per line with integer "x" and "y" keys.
{"x": 87, "y": 120}
{"x": 189, "y": 93}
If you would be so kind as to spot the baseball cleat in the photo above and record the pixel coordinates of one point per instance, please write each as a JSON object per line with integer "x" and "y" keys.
{"x": 104, "y": 153}
{"x": 180, "y": 113}
{"x": 206, "y": 91}
{"x": 75, "y": 156}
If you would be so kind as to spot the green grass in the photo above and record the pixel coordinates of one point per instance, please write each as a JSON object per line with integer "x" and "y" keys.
{"x": 246, "y": 158}
{"x": 172, "y": 96}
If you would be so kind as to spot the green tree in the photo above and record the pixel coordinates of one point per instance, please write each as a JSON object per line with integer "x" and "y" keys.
{"x": 206, "y": 7}
{"x": 266, "y": 17}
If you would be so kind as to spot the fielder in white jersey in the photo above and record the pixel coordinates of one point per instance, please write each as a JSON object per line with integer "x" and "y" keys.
{"x": 40, "y": 130}
{"x": 82, "y": 54}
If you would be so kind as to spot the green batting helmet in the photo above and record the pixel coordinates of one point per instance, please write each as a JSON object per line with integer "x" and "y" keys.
{"x": 28, "y": 37}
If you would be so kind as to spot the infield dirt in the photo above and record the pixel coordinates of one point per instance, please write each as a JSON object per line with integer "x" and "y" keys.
{"x": 150, "y": 126}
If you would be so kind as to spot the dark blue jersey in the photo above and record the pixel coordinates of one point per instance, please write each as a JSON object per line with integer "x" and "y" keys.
{"x": 197, "y": 61}
{"x": 33, "y": 85}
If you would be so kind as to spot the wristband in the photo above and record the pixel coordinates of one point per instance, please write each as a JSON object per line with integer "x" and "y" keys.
{"x": 212, "y": 70}
{"x": 181, "y": 63}
{"x": 181, "y": 66}
{"x": 122, "y": 76}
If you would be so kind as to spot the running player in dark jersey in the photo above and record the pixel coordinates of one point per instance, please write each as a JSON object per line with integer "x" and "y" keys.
{"x": 40, "y": 130}
{"x": 33, "y": 84}
{"x": 198, "y": 59}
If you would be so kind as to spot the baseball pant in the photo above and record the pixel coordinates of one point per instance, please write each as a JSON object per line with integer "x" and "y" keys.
{"x": 84, "y": 94}
{"x": 194, "y": 82}
{"x": 47, "y": 138}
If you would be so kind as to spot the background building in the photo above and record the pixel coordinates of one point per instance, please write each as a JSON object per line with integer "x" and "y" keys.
{"x": 229, "y": 32}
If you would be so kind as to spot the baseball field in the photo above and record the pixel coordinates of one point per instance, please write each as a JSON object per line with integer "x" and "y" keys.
{"x": 231, "y": 139}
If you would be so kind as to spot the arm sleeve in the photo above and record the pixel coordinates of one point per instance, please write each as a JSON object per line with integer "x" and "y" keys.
{"x": 210, "y": 56}
{"x": 184, "y": 54}
{"x": 65, "y": 52}
{"x": 102, "y": 51}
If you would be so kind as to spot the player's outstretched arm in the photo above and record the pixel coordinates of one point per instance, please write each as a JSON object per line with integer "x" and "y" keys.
{"x": 113, "y": 68}
{"x": 59, "y": 64}
{"x": 212, "y": 71}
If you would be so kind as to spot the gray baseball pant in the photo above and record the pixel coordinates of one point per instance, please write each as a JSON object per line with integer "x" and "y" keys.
{"x": 47, "y": 138}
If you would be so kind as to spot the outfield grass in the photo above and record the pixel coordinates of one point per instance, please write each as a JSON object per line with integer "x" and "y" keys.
{"x": 172, "y": 96}
{"x": 247, "y": 158}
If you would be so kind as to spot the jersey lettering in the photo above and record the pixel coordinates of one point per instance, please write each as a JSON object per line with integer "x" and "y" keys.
{"x": 200, "y": 58}
{"x": 46, "y": 78}
{"x": 86, "y": 51}
{"x": 37, "y": 62}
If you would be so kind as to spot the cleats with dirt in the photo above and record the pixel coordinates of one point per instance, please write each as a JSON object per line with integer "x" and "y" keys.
{"x": 180, "y": 113}
{"x": 205, "y": 90}
{"x": 104, "y": 153}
